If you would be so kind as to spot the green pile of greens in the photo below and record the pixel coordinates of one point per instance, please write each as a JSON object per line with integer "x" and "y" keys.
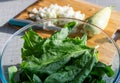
{"x": 59, "y": 59}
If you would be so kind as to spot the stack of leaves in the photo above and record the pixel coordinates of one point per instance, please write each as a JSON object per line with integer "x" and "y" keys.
{"x": 60, "y": 59}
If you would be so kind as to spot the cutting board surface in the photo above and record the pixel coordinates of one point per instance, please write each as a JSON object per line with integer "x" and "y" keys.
{"x": 88, "y": 9}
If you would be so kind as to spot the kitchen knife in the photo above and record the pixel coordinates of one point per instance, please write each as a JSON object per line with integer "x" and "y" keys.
{"x": 21, "y": 23}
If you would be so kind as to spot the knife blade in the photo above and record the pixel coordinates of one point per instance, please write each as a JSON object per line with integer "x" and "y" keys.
{"x": 22, "y": 23}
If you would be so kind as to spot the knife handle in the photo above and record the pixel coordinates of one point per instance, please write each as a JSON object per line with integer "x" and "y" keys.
{"x": 19, "y": 22}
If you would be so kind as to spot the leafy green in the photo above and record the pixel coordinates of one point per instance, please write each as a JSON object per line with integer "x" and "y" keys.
{"x": 97, "y": 73}
{"x": 85, "y": 71}
{"x": 32, "y": 44}
{"x": 69, "y": 71}
{"x": 70, "y": 25}
{"x": 36, "y": 79}
{"x": 11, "y": 72}
{"x": 60, "y": 59}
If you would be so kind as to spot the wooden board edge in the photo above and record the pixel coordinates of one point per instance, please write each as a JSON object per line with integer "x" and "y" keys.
{"x": 27, "y": 8}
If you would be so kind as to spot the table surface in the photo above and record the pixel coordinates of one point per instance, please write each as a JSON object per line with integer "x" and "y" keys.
{"x": 10, "y": 8}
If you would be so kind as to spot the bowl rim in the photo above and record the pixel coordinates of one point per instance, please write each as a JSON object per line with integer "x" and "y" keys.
{"x": 2, "y": 77}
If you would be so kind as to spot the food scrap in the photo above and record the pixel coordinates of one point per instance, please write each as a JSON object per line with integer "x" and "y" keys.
{"x": 55, "y": 11}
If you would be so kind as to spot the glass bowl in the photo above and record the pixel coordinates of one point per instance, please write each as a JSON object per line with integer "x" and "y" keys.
{"x": 107, "y": 49}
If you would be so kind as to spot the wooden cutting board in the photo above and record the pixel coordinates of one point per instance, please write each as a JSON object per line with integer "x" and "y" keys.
{"x": 88, "y": 9}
